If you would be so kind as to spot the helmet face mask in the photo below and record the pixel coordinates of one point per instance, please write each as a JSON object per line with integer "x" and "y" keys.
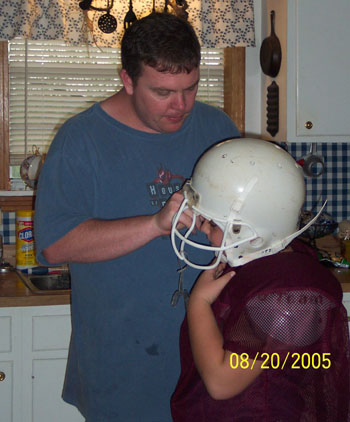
{"x": 254, "y": 191}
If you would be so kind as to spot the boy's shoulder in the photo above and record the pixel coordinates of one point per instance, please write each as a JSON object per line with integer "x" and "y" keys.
{"x": 299, "y": 270}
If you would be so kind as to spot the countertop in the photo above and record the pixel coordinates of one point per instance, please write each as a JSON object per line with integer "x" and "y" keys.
{"x": 13, "y": 292}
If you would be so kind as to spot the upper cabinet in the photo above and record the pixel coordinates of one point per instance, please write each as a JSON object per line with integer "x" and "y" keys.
{"x": 310, "y": 96}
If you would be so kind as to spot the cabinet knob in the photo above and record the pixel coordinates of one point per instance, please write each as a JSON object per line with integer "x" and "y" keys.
{"x": 308, "y": 125}
{"x": 2, "y": 376}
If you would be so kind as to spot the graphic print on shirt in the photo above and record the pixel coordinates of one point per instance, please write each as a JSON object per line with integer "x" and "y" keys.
{"x": 163, "y": 186}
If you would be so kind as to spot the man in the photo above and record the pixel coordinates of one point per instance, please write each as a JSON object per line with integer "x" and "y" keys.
{"x": 103, "y": 207}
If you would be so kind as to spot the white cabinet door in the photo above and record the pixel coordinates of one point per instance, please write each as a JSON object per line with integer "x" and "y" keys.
{"x": 34, "y": 345}
{"x": 318, "y": 69}
{"x": 10, "y": 365}
{"x": 313, "y": 81}
{"x": 48, "y": 378}
{"x": 6, "y": 391}
{"x": 46, "y": 336}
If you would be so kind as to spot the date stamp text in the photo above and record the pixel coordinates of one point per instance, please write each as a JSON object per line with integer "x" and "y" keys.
{"x": 273, "y": 361}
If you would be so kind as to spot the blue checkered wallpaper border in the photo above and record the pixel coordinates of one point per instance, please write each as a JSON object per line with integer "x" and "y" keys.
{"x": 333, "y": 184}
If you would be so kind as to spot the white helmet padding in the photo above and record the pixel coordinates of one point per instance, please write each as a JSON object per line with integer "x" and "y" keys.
{"x": 254, "y": 191}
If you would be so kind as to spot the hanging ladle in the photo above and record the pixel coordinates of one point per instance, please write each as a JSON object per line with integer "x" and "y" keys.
{"x": 107, "y": 23}
{"x": 130, "y": 17}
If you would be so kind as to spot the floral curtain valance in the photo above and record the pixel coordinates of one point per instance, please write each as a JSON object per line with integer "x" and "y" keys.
{"x": 218, "y": 23}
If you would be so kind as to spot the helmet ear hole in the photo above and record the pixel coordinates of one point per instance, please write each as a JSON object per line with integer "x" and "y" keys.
{"x": 236, "y": 229}
{"x": 257, "y": 242}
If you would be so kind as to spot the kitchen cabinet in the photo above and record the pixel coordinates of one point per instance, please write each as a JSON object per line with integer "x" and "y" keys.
{"x": 10, "y": 368}
{"x": 314, "y": 85}
{"x": 34, "y": 345}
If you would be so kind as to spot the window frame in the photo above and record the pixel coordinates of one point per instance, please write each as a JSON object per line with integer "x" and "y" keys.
{"x": 4, "y": 118}
{"x": 234, "y": 100}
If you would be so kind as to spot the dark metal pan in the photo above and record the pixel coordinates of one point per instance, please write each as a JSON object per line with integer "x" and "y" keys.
{"x": 270, "y": 52}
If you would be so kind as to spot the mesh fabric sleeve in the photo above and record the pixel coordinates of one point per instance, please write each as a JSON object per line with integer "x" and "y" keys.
{"x": 280, "y": 322}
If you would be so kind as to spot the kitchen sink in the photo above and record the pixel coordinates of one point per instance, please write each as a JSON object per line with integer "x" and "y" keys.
{"x": 51, "y": 282}
{"x": 48, "y": 283}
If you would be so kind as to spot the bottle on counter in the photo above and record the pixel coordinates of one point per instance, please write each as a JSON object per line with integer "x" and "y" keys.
{"x": 25, "y": 244}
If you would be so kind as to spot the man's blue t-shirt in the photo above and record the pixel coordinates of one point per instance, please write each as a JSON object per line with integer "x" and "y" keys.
{"x": 123, "y": 361}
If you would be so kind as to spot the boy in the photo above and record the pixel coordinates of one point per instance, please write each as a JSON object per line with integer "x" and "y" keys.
{"x": 271, "y": 343}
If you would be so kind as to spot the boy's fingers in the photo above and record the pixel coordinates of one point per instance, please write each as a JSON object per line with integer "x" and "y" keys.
{"x": 219, "y": 269}
{"x": 226, "y": 277}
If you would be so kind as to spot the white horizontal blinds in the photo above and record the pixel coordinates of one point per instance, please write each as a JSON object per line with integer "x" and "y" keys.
{"x": 211, "y": 86}
{"x": 51, "y": 81}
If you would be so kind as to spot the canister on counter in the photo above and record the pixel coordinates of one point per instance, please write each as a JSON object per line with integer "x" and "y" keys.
{"x": 25, "y": 245}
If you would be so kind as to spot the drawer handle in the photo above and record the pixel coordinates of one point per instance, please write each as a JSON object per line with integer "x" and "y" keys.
{"x": 2, "y": 376}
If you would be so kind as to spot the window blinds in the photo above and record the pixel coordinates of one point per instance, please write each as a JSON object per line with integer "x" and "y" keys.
{"x": 51, "y": 81}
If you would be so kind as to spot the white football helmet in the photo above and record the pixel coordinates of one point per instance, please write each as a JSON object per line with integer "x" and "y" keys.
{"x": 254, "y": 191}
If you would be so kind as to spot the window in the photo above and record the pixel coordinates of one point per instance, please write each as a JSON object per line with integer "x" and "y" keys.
{"x": 47, "y": 82}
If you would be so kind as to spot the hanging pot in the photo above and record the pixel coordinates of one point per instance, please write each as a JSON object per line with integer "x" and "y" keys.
{"x": 270, "y": 52}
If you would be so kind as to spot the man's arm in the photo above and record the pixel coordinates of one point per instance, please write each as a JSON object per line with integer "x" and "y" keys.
{"x": 100, "y": 240}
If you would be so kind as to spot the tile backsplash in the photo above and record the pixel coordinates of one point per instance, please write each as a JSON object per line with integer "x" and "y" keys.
{"x": 333, "y": 185}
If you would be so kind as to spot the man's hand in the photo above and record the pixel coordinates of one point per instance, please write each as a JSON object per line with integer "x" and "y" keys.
{"x": 164, "y": 218}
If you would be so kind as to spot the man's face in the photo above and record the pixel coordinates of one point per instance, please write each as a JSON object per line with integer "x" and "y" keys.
{"x": 162, "y": 101}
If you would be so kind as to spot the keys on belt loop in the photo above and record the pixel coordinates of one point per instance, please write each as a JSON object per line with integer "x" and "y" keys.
{"x": 180, "y": 288}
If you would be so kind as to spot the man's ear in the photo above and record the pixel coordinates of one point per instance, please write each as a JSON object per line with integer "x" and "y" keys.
{"x": 127, "y": 82}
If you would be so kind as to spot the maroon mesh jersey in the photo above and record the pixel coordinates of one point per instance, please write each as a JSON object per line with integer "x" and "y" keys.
{"x": 290, "y": 307}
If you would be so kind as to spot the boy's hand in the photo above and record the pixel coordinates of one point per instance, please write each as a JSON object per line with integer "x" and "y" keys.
{"x": 210, "y": 283}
